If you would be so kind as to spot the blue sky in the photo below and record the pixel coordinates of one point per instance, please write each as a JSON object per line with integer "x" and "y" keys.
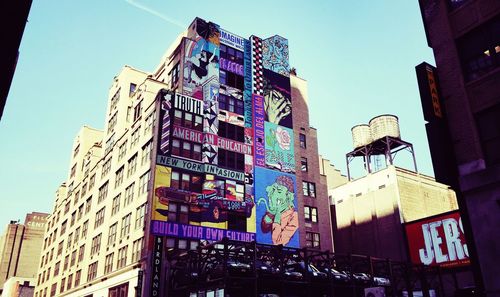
{"x": 357, "y": 56}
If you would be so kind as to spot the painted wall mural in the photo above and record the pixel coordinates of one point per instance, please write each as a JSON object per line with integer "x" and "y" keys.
{"x": 201, "y": 66}
{"x": 231, "y": 92}
{"x": 160, "y": 199}
{"x": 208, "y": 31}
{"x": 232, "y": 40}
{"x": 165, "y": 98}
{"x": 247, "y": 92}
{"x": 276, "y": 206}
{"x": 279, "y": 148}
{"x": 211, "y": 126}
{"x": 275, "y": 55}
{"x": 231, "y": 118}
{"x": 259, "y": 151}
{"x": 257, "y": 70}
{"x": 277, "y": 99}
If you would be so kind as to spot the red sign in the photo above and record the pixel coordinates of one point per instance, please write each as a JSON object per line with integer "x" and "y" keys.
{"x": 438, "y": 241}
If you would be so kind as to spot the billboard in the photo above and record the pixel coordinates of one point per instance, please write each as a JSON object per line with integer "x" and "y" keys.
{"x": 438, "y": 241}
{"x": 276, "y": 208}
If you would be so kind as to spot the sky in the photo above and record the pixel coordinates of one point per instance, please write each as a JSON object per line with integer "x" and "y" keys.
{"x": 358, "y": 57}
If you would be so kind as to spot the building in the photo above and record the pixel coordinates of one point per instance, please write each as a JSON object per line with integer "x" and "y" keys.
{"x": 20, "y": 247}
{"x": 463, "y": 115}
{"x": 215, "y": 143}
{"x": 370, "y": 211}
{"x": 19, "y": 287}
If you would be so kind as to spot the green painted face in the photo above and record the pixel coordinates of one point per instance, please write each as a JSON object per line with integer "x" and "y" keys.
{"x": 280, "y": 199}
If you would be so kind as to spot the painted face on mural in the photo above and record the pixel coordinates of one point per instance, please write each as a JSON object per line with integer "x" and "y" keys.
{"x": 281, "y": 216}
{"x": 276, "y": 106}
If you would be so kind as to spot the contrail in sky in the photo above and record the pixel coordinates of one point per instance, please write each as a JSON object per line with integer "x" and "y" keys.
{"x": 153, "y": 12}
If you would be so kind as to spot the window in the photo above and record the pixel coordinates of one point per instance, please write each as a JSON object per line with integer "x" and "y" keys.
{"x": 60, "y": 247}
{"x": 140, "y": 213}
{"x": 137, "y": 111}
{"x": 479, "y": 50}
{"x": 231, "y": 79}
{"x": 182, "y": 244}
{"x": 92, "y": 271}
{"x": 73, "y": 219}
{"x": 188, "y": 120}
{"x": 73, "y": 258}
{"x": 76, "y": 150}
{"x": 84, "y": 189}
{"x": 312, "y": 240}
{"x": 143, "y": 183}
{"x": 174, "y": 75}
{"x": 78, "y": 275}
{"x": 311, "y": 214}
{"x": 63, "y": 285}
{"x": 66, "y": 262}
{"x": 91, "y": 181}
{"x": 85, "y": 227}
{"x": 231, "y": 131}
{"x": 96, "y": 245}
{"x": 309, "y": 189}
{"x": 236, "y": 221}
{"x": 125, "y": 230}
{"x": 134, "y": 137}
{"x": 112, "y": 122}
{"x": 116, "y": 205}
{"x": 99, "y": 217}
{"x": 77, "y": 235}
{"x": 63, "y": 227}
{"x": 56, "y": 268}
{"x": 112, "y": 234}
{"x": 73, "y": 171}
{"x": 303, "y": 164}
{"x": 119, "y": 291}
{"x": 88, "y": 204}
{"x": 81, "y": 254}
{"x": 231, "y": 160}
{"x": 66, "y": 206}
{"x": 106, "y": 167}
{"x": 80, "y": 211}
{"x": 146, "y": 152}
{"x": 122, "y": 150}
{"x": 53, "y": 289}
{"x": 129, "y": 194}
{"x": 132, "y": 89}
{"x": 108, "y": 263}
{"x": 137, "y": 247}
{"x": 178, "y": 212}
{"x": 70, "y": 280}
{"x": 122, "y": 257}
{"x": 302, "y": 140}
{"x": 149, "y": 122}
{"x": 132, "y": 165}
{"x": 231, "y": 104}
{"x": 186, "y": 181}
{"x": 119, "y": 177}
{"x": 69, "y": 241}
{"x": 103, "y": 192}
{"x": 488, "y": 125}
{"x": 114, "y": 100}
{"x": 186, "y": 149}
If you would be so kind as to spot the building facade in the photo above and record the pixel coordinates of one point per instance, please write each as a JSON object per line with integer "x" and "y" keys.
{"x": 20, "y": 247}
{"x": 214, "y": 143}
{"x": 466, "y": 109}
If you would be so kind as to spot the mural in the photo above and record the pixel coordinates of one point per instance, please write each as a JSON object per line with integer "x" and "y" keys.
{"x": 259, "y": 115}
{"x": 232, "y": 40}
{"x": 257, "y": 75}
{"x": 247, "y": 92}
{"x": 201, "y": 66}
{"x": 208, "y": 31}
{"x": 276, "y": 203}
{"x": 160, "y": 199}
{"x": 210, "y": 125}
{"x": 231, "y": 92}
{"x": 232, "y": 118}
{"x": 164, "y": 135}
{"x": 277, "y": 99}
{"x": 275, "y": 55}
{"x": 279, "y": 148}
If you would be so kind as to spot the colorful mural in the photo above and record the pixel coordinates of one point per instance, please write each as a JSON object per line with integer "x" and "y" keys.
{"x": 232, "y": 40}
{"x": 201, "y": 66}
{"x": 231, "y": 92}
{"x": 231, "y": 118}
{"x": 211, "y": 126}
{"x": 279, "y": 148}
{"x": 276, "y": 206}
{"x": 208, "y": 31}
{"x": 165, "y": 98}
{"x": 259, "y": 151}
{"x": 247, "y": 92}
{"x": 277, "y": 99}
{"x": 160, "y": 200}
{"x": 257, "y": 74}
{"x": 275, "y": 55}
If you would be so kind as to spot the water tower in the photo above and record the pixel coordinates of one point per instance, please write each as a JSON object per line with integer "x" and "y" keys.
{"x": 380, "y": 137}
